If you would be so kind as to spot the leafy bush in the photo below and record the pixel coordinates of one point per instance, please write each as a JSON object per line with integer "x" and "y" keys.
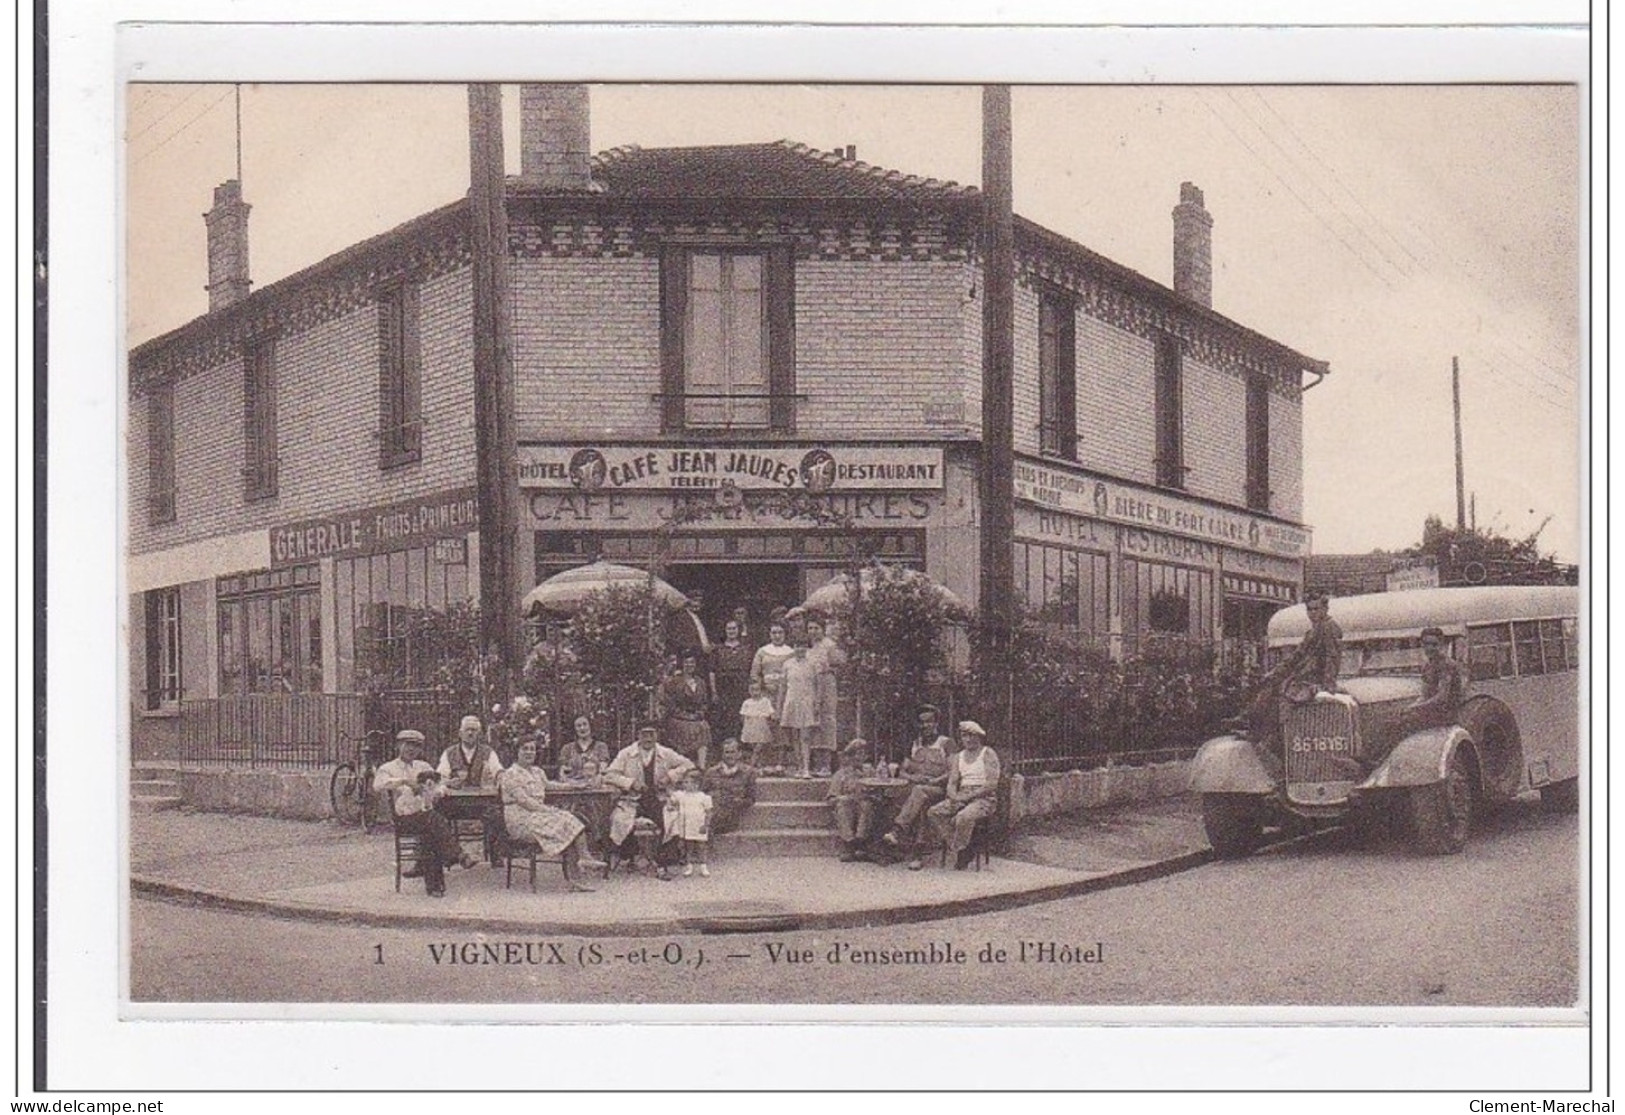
{"x": 617, "y": 651}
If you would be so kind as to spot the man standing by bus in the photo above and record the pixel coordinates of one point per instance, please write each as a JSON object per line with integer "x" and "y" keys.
{"x": 1444, "y": 684}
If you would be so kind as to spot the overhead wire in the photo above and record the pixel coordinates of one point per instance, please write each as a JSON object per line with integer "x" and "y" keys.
{"x": 210, "y": 107}
{"x": 167, "y": 113}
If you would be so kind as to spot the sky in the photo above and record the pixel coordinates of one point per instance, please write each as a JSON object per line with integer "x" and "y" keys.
{"x": 1384, "y": 230}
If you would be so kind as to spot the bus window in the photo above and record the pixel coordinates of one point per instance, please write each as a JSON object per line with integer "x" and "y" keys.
{"x": 1551, "y": 645}
{"x": 1489, "y": 652}
{"x": 1526, "y": 636}
{"x": 1571, "y": 642}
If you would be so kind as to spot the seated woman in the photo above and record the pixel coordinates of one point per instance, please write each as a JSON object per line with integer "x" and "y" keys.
{"x": 529, "y": 819}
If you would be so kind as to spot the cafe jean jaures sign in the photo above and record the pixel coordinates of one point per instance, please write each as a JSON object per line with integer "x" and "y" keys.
{"x": 375, "y": 530}
{"x": 1115, "y": 502}
{"x": 773, "y": 468}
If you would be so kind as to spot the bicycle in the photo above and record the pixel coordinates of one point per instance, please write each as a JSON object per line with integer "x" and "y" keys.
{"x": 350, "y": 788}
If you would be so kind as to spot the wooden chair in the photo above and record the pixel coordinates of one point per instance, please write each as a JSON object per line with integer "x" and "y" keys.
{"x": 508, "y": 850}
{"x": 406, "y": 845}
{"x": 991, "y": 831}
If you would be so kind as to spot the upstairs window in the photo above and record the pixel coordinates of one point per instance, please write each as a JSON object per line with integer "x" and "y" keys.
{"x": 259, "y": 420}
{"x": 163, "y": 630}
{"x": 161, "y": 454}
{"x": 400, "y": 379}
{"x": 1057, "y": 377}
{"x": 727, "y": 340}
{"x": 1170, "y": 417}
{"x": 1258, "y": 443}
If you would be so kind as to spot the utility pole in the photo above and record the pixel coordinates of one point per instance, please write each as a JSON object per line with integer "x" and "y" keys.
{"x": 997, "y": 494}
{"x": 495, "y": 463}
{"x": 1461, "y": 487}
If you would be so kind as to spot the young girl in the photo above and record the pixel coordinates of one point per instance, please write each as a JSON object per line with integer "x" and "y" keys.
{"x": 688, "y": 818}
{"x": 756, "y": 728}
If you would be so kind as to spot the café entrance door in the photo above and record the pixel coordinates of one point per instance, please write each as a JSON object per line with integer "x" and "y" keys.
{"x": 758, "y": 587}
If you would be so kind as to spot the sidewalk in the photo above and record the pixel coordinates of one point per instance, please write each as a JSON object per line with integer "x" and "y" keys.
{"x": 320, "y": 871}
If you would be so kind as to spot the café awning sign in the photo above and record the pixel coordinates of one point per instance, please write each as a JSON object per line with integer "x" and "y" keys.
{"x": 664, "y": 468}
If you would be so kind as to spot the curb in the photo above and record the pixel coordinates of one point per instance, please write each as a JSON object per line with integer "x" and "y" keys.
{"x": 786, "y": 922}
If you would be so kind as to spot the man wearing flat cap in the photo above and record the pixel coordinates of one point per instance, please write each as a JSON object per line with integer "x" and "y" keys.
{"x": 972, "y": 793}
{"x": 645, "y": 772}
{"x": 470, "y": 763}
{"x": 401, "y": 778}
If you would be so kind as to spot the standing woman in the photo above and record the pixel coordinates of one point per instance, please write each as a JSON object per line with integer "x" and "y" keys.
{"x": 528, "y": 817}
{"x": 799, "y": 715}
{"x": 731, "y": 662}
{"x": 827, "y": 658}
{"x": 684, "y": 701}
{"x": 768, "y": 669}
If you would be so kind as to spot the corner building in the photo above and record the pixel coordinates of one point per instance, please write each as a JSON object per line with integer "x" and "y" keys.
{"x": 755, "y": 364}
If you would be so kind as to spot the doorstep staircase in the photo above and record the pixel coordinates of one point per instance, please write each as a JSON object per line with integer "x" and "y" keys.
{"x": 791, "y": 817}
{"x": 151, "y": 790}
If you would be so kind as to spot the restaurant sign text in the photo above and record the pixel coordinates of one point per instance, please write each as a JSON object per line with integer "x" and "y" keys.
{"x": 1116, "y": 502}
{"x": 773, "y": 467}
{"x": 379, "y": 529}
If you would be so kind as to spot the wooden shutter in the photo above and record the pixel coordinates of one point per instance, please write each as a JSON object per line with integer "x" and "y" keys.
{"x": 673, "y": 315}
{"x": 781, "y": 337}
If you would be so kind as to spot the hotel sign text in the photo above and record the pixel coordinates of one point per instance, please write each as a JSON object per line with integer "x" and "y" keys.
{"x": 816, "y": 469}
{"x": 1115, "y": 502}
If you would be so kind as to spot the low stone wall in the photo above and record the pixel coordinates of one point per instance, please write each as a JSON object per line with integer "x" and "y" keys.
{"x": 1040, "y": 795}
{"x": 297, "y": 795}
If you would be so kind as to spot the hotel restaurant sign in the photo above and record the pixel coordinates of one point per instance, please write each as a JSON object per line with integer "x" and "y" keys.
{"x": 1116, "y": 502}
{"x": 646, "y": 468}
{"x": 376, "y": 530}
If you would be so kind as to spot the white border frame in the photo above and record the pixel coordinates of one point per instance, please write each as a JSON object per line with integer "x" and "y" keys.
{"x": 88, "y": 958}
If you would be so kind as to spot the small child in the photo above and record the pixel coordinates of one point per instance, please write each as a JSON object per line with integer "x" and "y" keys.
{"x": 421, "y": 797}
{"x": 756, "y": 731}
{"x": 688, "y": 818}
{"x": 589, "y": 776}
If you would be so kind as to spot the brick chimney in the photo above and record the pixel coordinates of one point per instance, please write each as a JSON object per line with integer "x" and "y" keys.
{"x": 555, "y": 136}
{"x": 228, "y": 246}
{"x": 1193, "y": 247}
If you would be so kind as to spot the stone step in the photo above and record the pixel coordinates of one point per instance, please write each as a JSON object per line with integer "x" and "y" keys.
{"x": 155, "y": 803}
{"x": 792, "y": 789}
{"x": 777, "y": 842}
{"x": 787, "y": 815}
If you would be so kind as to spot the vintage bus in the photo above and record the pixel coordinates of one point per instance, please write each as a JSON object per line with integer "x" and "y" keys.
{"x": 1357, "y": 750}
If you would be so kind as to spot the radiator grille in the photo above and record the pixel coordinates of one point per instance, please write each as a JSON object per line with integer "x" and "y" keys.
{"x": 1320, "y": 752}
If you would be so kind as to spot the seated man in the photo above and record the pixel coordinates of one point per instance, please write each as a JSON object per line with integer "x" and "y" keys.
{"x": 972, "y": 794}
{"x": 470, "y": 763}
{"x": 732, "y": 786}
{"x": 645, "y": 772}
{"x": 854, "y": 808}
{"x": 1444, "y": 685}
{"x": 926, "y": 770}
{"x": 413, "y": 786}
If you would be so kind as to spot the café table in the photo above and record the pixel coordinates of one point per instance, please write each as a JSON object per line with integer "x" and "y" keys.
{"x": 464, "y": 808}
{"x": 888, "y": 795}
{"x": 593, "y": 805}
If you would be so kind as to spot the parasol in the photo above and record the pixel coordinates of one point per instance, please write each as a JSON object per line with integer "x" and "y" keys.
{"x": 564, "y": 592}
{"x": 832, "y": 595}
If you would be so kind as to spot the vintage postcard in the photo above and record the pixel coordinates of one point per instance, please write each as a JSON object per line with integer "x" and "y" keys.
{"x": 1070, "y": 551}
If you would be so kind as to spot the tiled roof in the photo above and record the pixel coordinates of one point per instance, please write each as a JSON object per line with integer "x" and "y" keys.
{"x": 1347, "y": 574}
{"x": 759, "y": 171}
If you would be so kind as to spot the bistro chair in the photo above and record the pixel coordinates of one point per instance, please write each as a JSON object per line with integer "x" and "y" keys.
{"x": 406, "y": 847}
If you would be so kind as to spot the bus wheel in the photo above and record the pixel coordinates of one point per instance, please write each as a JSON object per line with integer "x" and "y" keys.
{"x": 1442, "y": 814}
{"x": 1561, "y": 797}
{"x": 1234, "y": 823}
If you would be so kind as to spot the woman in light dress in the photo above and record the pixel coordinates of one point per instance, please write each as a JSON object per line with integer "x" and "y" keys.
{"x": 768, "y": 668}
{"x": 529, "y": 819}
{"x": 798, "y": 716}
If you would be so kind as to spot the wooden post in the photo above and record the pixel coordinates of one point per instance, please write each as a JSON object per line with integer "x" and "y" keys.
{"x": 495, "y": 454}
{"x": 997, "y": 490}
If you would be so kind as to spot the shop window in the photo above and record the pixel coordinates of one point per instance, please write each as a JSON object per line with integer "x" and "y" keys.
{"x": 161, "y": 454}
{"x": 1065, "y": 588}
{"x": 259, "y": 420}
{"x": 1258, "y": 443}
{"x": 1057, "y": 376}
{"x": 1166, "y": 600}
{"x": 727, "y": 349}
{"x": 400, "y": 421}
{"x": 270, "y": 632}
{"x": 1170, "y": 419}
{"x": 386, "y": 605}
{"x": 163, "y": 630}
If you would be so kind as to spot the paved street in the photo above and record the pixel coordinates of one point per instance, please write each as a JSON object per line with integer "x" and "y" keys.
{"x": 1328, "y": 920}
